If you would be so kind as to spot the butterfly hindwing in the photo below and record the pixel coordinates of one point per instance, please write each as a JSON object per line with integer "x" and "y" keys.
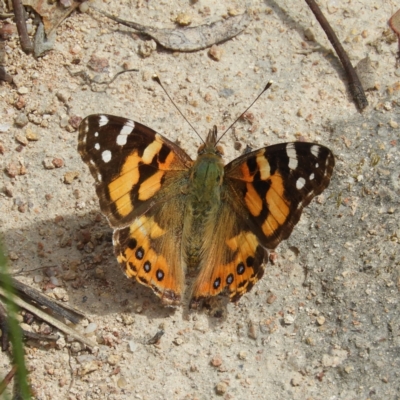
{"x": 234, "y": 261}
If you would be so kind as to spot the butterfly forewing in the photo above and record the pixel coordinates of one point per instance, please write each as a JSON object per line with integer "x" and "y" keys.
{"x": 274, "y": 184}
{"x": 129, "y": 163}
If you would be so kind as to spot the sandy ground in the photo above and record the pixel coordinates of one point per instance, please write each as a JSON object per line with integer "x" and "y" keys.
{"x": 324, "y": 321}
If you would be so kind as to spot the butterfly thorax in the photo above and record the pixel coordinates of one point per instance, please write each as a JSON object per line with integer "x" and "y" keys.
{"x": 203, "y": 200}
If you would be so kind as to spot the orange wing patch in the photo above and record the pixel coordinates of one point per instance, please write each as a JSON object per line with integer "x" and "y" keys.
{"x": 119, "y": 189}
{"x": 137, "y": 254}
{"x": 237, "y": 276}
{"x": 278, "y": 207}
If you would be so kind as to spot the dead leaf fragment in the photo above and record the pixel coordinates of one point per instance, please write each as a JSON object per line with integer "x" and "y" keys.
{"x": 191, "y": 38}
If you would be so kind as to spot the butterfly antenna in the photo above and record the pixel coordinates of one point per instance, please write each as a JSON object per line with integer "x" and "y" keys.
{"x": 267, "y": 86}
{"x": 157, "y": 79}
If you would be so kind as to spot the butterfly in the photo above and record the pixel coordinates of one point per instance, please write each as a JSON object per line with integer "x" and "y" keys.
{"x": 173, "y": 216}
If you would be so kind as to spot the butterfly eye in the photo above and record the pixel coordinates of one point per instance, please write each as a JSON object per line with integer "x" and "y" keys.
{"x": 219, "y": 150}
{"x": 201, "y": 149}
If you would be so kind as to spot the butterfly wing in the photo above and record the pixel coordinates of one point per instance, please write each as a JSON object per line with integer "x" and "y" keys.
{"x": 266, "y": 190}
{"x": 233, "y": 260}
{"x": 139, "y": 176}
{"x": 274, "y": 184}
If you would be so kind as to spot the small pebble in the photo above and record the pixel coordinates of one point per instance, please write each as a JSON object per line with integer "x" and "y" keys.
{"x": 13, "y": 256}
{"x": 127, "y": 319}
{"x": 84, "y": 7}
{"x": 253, "y": 330}
{"x": 320, "y": 320}
{"x": 183, "y": 19}
{"x": 215, "y": 52}
{"x": 88, "y": 367}
{"x": 113, "y": 359}
{"x": 90, "y": 328}
{"x": 21, "y": 120}
{"x": 288, "y": 319}
{"x": 48, "y": 163}
{"x": 13, "y": 169}
{"x": 31, "y": 136}
{"x": 221, "y": 388}
{"x": 8, "y": 190}
{"x": 132, "y": 346}
{"x": 5, "y": 127}
{"x": 216, "y": 361}
{"x": 309, "y": 35}
{"x": 70, "y": 176}
{"x": 98, "y": 64}
{"x": 19, "y": 137}
{"x": 146, "y": 48}
{"x": 296, "y": 379}
{"x": 122, "y": 382}
{"x": 63, "y": 96}
{"x": 76, "y": 347}
{"x": 23, "y": 90}
{"x": 242, "y": 355}
{"x": 58, "y": 162}
{"x": 178, "y": 341}
{"x": 38, "y": 278}
{"x": 271, "y": 298}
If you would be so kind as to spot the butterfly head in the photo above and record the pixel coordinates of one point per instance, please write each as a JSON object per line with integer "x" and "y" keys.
{"x": 210, "y": 146}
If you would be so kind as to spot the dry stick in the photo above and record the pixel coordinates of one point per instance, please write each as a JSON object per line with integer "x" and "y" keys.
{"x": 19, "y": 13}
{"x": 7, "y": 379}
{"x": 355, "y": 86}
{"x": 38, "y": 336}
{"x": 62, "y": 310}
{"x": 50, "y": 320}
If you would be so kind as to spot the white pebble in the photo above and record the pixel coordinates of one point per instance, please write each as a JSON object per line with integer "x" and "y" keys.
{"x": 90, "y": 328}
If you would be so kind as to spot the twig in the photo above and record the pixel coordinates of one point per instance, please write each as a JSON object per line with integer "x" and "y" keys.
{"x": 50, "y": 320}
{"x": 7, "y": 379}
{"x": 26, "y": 43}
{"x": 38, "y": 336}
{"x": 355, "y": 86}
{"x": 60, "y": 309}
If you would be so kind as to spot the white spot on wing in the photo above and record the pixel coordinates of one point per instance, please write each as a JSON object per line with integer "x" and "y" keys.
{"x": 315, "y": 150}
{"x": 97, "y": 146}
{"x": 291, "y": 153}
{"x": 125, "y": 131}
{"x": 99, "y": 177}
{"x": 312, "y": 176}
{"x": 129, "y": 126}
{"x": 103, "y": 120}
{"x": 300, "y": 183}
{"x": 106, "y": 156}
{"x": 96, "y": 134}
{"x": 316, "y": 165}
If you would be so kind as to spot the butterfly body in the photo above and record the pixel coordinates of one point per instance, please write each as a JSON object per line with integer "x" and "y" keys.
{"x": 172, "y": 216}
{"x": 202, "y": 203}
